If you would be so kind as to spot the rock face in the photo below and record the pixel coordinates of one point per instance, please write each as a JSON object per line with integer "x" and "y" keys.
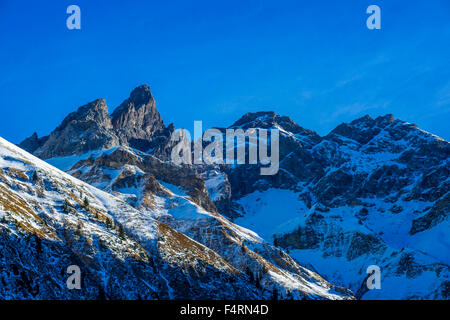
{"x": 138, "y": 123}
{"x": 373, "y": 191}
{"x": 33, "y": 143}
{"x": 178, "y": 197}
{"x": 271, "y": 120}
{"x": 135, "y": 123}
{"x": 89, "y": 128}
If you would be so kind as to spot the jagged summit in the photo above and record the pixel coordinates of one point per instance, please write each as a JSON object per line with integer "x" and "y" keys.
{"x": 368, "y": 121}
{"x": 362, "y": 129}
{"x": 88, "y": 128}
{"x": 141, "y": 95}
{"x": 386, "y": 119}
{"x": 367, "y": 130}
{"x": 32, "y": 143}
{"x": 270, "y": 119}
{"x": 96, "y": 110}
{"x": 253, "y": 116}
{"x": 266, "y": 119}
{"x": 135, "y": 123}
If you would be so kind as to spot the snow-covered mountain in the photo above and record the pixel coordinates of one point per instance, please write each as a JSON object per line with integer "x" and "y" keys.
{"x": 372, "y": 192}
{"x": 50, "y": 220}
{"x": 177, "y": 196}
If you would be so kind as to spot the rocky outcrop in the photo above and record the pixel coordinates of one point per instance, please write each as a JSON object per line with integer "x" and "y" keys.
{"x": 271, "y": 120}
{"x": 135, "y": 123}
{"x": 33, "y": 143}
{"x": 138, "y": 123}
{"x": 89, "y": 128}
{"x": 439, "y": 212}
{"x": 184, "y": 177}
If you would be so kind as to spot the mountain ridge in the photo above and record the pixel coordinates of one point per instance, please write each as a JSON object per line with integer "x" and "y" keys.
{"x": 123, "y": 253}
{"x": 136, "y": 121}
{"x": 372, "y": 191}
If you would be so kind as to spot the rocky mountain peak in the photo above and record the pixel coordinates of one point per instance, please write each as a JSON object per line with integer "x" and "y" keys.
{"x": 135, "y": 123}
{"x": 367, "y": 121}
{"x": 270, "y": 119}
{"x": 361, "y": 130}
{"x": 141, "y": 95}
{"x": 140, "y": 98}
{"x": 30, "y": 143}
{"x": 136, "y": 120}
{"x": 260, "y": 119}
{"x": 88, "y": 128}
{"x": 96, "y": 111}
{"x": 385, "y": 120}
{"x": 363, "y": 121}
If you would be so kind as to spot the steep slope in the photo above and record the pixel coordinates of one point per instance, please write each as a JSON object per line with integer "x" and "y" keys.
{"x": 50, "y": 220}
{"x": 46, "y": 225}
{"x": 177, "y": 196}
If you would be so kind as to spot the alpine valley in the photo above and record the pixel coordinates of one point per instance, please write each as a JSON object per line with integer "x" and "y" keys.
{"x": 100, "y": 192}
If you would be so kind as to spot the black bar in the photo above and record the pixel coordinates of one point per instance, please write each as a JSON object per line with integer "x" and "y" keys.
{"x": 168, "y": 310}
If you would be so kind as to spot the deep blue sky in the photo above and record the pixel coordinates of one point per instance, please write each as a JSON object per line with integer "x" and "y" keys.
{"x": 215, "y": 60}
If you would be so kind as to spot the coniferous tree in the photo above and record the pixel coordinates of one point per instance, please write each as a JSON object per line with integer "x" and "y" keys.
{"x": 275, "y": 294}
{"x": 35, "y": 177}
{"x": 109, "y": 223}
{"x": 79, "y": 227}
{"x": 250, "y": 274}
{"x": 121, "y": 232}
{"x": 275, "y": 241}
{"x": 264, "y": 271}
{"x": 258, "y": 278}
{"x": 66, "y": 207}
{"x": 289, "y": 295}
